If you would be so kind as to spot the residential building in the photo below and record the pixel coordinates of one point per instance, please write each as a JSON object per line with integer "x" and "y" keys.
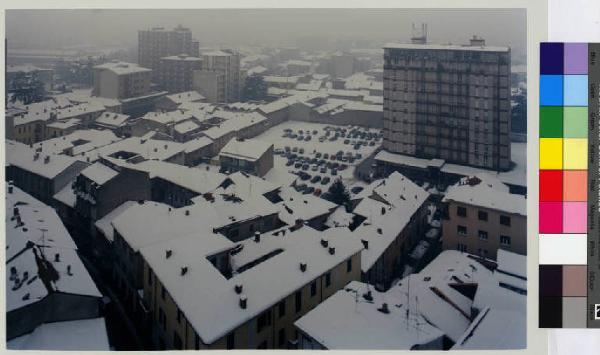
{"x": 342, "y": 65}
{"x": 158, "y": 42}
{"x": 173, "y": 101}
{"x": 121, "y": 80}
{"x": 49, "y": 292}
{"x": 227, "y": 62}
{"x": 483, "y": 217}
{"x": 449, "y": 102}
{"x": 211, "y": 84}
{"x": 175, "y": 73}
{"x": 249, "y": 155}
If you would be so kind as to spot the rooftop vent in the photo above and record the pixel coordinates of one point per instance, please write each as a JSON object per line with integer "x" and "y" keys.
{"x": 384, "y": 308}
{"x": 303, "y": 267}
{"x": 365, "y": 243}
{"x": 187, "y": 212}
{"x": 238, "y": 288}
{"x": 57, "y": 258}
{"x": 243, "y": 302}
{"x": 184, "y": 270}
{"x": 69, "y": 270}
{"x": 324, "y": 243}
{"x": 382, "y": 210}
{"x": 168, "y": 253}
{"x": 331, "y": 250}
{"x": 379, "y": 231}
{"x": 477, "y": 41}
{"x": 257, "y": 236}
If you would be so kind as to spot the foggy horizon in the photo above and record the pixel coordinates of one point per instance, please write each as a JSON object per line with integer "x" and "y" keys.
{"x": 357, "y": 28}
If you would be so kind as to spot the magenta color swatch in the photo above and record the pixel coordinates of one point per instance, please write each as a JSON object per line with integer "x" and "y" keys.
{"x": 575, "y": 217}
{"x": 551, "y": 217}
{"x": 576, "y": 58}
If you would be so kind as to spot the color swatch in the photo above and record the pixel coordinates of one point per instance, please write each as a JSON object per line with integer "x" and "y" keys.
{"x": 564, "y": 183}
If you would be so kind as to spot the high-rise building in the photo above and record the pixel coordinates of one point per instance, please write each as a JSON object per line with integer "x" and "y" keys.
{"x": 448, "y": 102}
{"x": 121, "y": 80}
{"x": 175, "y": 73}
{"x": 156, "y": 43}
{"x": 226, "y": 62}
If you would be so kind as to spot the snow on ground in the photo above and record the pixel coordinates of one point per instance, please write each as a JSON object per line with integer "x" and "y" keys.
{"x": 314, "y": 146}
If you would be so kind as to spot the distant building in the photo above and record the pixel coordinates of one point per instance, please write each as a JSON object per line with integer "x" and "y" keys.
{"x": 121, "y": 80}
{"x": 343, "y": 65}
{"x": 157, "y": 42}
{"x": 449, "y": 102}
{"x": 483, "y": 217}
{"x": 211, "y": 84}
{"x": 251, "y": 156}
{"x": 227, "y": 62}
{"x": 176, "y": 73}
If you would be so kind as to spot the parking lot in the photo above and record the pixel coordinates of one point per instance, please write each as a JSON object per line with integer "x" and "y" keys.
{"x": 319, "y": 153}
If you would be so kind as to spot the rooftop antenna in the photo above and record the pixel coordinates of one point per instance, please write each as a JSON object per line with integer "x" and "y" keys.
{"x": 43, "y": 239}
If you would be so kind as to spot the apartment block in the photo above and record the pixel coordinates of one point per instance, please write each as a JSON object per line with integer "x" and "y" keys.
{"x": 121, "y": 80}
{"x": 158, "y": 42}
{"x": 176, "y": 73}
{"x": 250, "y": 155}
{"x": 449, "y": 102}
{"x": 483, "y": 217}
{"x": 226, "y": 62}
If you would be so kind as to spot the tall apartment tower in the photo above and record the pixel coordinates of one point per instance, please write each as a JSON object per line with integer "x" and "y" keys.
{"x": 176, "y": 72}
{"x": 226, "y": 62}
{"x": 448, "y": 102}
{"x": 157, "y": 43}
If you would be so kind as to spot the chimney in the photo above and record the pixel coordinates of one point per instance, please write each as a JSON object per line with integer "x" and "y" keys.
{"x": 384, "y": 308}
{"x": 243, "y": 302}
{"x": 379, "y": 231}
{"x": 16, "y": 211}
{"x": 69, "y": 270}
{"x": 368, "y": 296}
{"x": 187, "y": 212}
{"x": 238, "y": 288}
{"x": 331, "y": 250}
{"x": 303, "y": 267}
{"x": 46, "y": 159}
{"x": 10, "y": 189}
{"x": 257, "y": 236}
{"x": 184, "y": 270}
{"x": 477, "y": 41}
{"x": 57, "y": 258}
{"x": 168, "y": 253}
{"x": 324, "y": 243}
{"x": 382, "y": 211}
{"x": 365, "y": 243}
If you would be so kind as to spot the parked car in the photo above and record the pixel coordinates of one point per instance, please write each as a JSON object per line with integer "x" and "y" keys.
{"x": 323, "y": 170}
{"x": 289, "y": 163}
{"x": 309, "y": 190}
{"x": 315, "y": 179}
{"x": 298, "y": 165}
{"x": 334, "y": 172}
{"x": 325, "y": 180}
{"x": 301, "y": 151}
{"x": 314, "y": 168}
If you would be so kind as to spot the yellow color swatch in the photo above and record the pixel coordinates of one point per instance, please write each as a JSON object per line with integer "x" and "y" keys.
{"x": 575, "y": 153}
{"x": 551, "y": 153}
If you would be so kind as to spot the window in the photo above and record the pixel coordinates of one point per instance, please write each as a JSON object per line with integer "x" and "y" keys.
{"x": 231, "y": 340}
{"x": 264, "y": 320}
{"x": 177, "y": 341}
{"x": 162, "y": 292}
{"x": 461, "y": 211}
{"x": 298, "y": 299}
{"x": 178, "y": 315}
{"x": 281, "y": 308}
{"x": 505, "y": 220}
{"x": 461, "y": 247}
{"x": 504, "y": 240}
{"x": 461, "y": 230}
{"x": 313, "y": 288}
{"x": 483, "y": 235}
{"x": 328, "y": 279}
{"x": 281, "y": 341}
{"x": 349, "y": 265}
{"x": 483, "y": 216}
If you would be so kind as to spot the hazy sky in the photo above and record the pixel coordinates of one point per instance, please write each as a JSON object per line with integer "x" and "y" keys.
{"x": 61, "y": 28}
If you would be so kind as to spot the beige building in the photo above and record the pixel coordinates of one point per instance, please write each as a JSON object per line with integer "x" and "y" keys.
{"x": 176, "y": 73}
{"x": 449, "y": 102}
{"x": 121, "y": 80}
{"x": 251, "y": 156}
{"x": 204, "y": 292}
{"x": 482, "y": 217}
{"x": 211, "y": 84}
{"x": 227, "y": 62}
{"x": 157, "y": 42}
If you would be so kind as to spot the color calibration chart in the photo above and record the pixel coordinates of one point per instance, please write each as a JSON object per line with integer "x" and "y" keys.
{"x": 569, "y": 268}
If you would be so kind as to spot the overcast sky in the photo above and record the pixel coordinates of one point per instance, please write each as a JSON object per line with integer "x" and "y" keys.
{"x": 58, "y": 29}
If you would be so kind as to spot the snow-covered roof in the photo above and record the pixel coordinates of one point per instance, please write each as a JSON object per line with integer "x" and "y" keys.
{"x": 122, "y": 68}
{"x": 66, "y": 195}
{"x": 183, "y": 58}
{"x": 280, "y": 79}
{"x": 73, "y": 122}
{"x": 144, "y": 147}
{"x": 339, "y": 218}
{"x": 25, "y": 68}
{"x": 348, "y": 321}
{"x": 169, "y": 117}
{"x": 76, "y": 335}
{"x": 186, "y": 126}
{"x": 248, "y": 149}
{"x": 445, "y": 47}
{"x": 390, "y": 207}
{"x": 486, "y": 191}
{"x": 234, "y": 122}
{"x": 186, "y": 96}
{"x": 48, "y": 166}
{"x": 78, "y": 141}
{"x": 259, "y": 69}
{"x": 57, "y": 109}
{"x": 495, "y": 329}
{"x": 401, "y": 159}
{"x": 214, "y": 311}
{"x": 216, "y": 53}
{"x": 312, "y": 85}
{"x": 99, "y": 173}
{"x": 111, "y": 119}
{"x": 295, "y": 205}
{"x": 197, "y": 143}
{"x": 104, "y": 224}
